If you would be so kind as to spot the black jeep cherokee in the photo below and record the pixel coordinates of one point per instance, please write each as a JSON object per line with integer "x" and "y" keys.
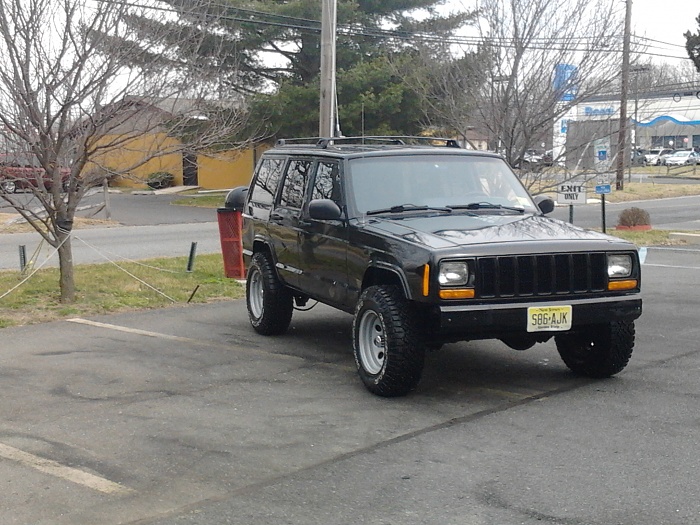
{"x": 426, "y": 245}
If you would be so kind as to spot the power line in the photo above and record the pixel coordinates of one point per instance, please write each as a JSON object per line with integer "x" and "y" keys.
{"x": 573, "y": 44}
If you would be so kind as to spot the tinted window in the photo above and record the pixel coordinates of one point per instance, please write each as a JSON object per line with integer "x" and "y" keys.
{"x": 269, "y": 175}
{"x": 295, "y": 183}
{"x": 327, "y": 183}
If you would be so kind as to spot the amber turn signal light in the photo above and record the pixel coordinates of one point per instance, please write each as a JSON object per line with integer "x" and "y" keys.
{"x": 458, "y": 293}
{"x": 627, "y": 284}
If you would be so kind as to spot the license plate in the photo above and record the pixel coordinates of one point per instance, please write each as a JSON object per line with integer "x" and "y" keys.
{"x": 548, "y": 318}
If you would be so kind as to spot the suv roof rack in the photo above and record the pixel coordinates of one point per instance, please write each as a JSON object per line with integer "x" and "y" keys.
{"x": 398, "y": 140}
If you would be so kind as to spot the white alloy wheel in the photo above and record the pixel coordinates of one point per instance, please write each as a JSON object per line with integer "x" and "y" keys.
{"x": 372, "y": 342}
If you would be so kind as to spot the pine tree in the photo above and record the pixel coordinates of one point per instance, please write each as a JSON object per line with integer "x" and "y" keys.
{"x": 693, "y": 45}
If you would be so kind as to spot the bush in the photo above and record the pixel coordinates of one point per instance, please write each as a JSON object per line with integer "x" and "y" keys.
{"x": 634, "y": 217}
{"x": 160, "y": 180}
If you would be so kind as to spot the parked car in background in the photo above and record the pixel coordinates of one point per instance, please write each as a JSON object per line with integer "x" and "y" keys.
{"x": 533, "y": 158}
{"x": 653, "y": 157}
{"x": 682, "y": 158}
{"x": 638, "y": 157}
{"x": 16, "y": 175}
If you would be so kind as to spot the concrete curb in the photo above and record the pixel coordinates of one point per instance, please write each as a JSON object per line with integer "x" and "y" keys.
{"x": 690, "y": 238}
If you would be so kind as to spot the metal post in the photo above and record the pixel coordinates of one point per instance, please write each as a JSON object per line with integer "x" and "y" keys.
{"x": 22, "y": 257}
{"x": 602, "y": 210}
{"x": 571, "y": 213}
{"x": 193, "y": 252}
{"x": 105, "y": 191}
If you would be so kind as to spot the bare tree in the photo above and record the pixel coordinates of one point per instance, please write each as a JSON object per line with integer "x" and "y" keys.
{"x": 445, "y": 84}
{"x": 546, "y": 57}
{"x": 65, "y": 104}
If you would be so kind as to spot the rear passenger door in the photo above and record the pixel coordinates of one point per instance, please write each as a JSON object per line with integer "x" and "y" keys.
{"x": 324, "y": 243}
{"x": 283, "y": 225}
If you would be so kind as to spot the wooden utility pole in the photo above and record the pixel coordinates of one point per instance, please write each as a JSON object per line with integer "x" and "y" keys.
{"x": 622, "y": 134}
{"x": 327, "y": 124}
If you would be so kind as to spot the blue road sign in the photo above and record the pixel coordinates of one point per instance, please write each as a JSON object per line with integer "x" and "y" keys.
{"x": 602, "y": 188}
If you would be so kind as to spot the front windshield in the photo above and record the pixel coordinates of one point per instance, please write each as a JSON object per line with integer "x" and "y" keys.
{"x": 380, "y": 183}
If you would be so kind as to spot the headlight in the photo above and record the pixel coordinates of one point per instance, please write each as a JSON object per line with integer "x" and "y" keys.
{"x": 619, "y": 266}
{"x": 453, "y": 274}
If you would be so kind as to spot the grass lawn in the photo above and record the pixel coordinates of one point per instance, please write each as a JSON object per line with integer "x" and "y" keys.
{"x": 105, "y": 288}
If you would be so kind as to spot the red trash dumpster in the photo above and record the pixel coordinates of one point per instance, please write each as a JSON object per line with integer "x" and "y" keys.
{"x": 230, "y": 227}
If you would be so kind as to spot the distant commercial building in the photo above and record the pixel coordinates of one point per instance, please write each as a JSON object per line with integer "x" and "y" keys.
{"x": 664, "y": 118}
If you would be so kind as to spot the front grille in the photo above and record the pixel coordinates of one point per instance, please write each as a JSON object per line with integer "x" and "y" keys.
{"x": 541, "y": 275}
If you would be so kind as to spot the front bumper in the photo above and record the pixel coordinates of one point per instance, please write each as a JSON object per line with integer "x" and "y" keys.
{"x": 495, "y": 320}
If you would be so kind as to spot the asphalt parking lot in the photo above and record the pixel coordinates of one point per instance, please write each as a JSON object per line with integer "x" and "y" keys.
{"x": 185, "y": 415}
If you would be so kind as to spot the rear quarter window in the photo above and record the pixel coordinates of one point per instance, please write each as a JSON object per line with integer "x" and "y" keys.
{"x": 267, "y": 181}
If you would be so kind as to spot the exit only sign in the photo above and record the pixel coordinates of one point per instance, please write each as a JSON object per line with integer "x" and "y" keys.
{"x": 571, "y": 193}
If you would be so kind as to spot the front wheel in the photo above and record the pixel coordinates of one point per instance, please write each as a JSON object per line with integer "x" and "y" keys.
{"x": 389, "y": 353}
{"x": 269, "y": 301}
{"x": 601, "y": 351}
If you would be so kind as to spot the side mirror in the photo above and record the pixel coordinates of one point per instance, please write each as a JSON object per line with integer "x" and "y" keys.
{"x": 235, "y": 200}
{"x": 324, "y": 210}
{"x": 544, "y": 203}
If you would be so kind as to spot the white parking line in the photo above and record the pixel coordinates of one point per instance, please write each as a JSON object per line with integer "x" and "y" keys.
{"x": 673, "y": 266}
{"x": 188, "y": 340}
{"x": 136, "y": 331}
{"x": 54, "y": 468}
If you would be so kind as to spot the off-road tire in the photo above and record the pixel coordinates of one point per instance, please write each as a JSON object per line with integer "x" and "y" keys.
{"x": 600, "y": 351}
{"x": 389, "y": 353}
{"x": 269, "y": 301}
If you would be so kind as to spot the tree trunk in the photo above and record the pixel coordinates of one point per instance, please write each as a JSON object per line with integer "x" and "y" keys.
{"x": 67, "y": 272}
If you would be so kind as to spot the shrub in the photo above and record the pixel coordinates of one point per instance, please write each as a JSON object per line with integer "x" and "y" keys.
{"x": 634, "y": 217}
{"x": 160, "y": 180}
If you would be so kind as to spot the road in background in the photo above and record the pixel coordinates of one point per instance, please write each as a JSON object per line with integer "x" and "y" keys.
{"x": 677, "y": 213}
{"x": 149, "y": 226}
{"x": 145, "y": 226}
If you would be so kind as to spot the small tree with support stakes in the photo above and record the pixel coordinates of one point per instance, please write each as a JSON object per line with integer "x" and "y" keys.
{"x": 74, "y": 80}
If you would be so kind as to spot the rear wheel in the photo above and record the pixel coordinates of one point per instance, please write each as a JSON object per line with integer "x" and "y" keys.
{"x": 389, "y": 353}
{"x": 601, "y": 351}
{"x": 268, "y": 300}
{"x": 8, "y": 186}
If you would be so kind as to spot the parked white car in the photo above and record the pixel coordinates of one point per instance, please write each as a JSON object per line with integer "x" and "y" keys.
{"x": 682, "y": 158}
{"x": 653, "y": 157}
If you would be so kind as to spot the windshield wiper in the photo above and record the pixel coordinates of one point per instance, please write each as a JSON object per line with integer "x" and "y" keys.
{"x": 485, "y": 206}
{"x": 408, "y": 207}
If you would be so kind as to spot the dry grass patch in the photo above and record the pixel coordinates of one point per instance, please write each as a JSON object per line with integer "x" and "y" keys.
{"x": 105, "y": 288}
{"x": 635, "y": 191}
{"x": 8, "y": 224}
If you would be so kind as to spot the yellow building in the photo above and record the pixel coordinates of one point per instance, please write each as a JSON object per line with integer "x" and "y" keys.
{"x": 133, "y": 145}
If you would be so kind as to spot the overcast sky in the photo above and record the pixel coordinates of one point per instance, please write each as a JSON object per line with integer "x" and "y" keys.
{"x": 666, "y": 20}
{"x": 663, "y": 20}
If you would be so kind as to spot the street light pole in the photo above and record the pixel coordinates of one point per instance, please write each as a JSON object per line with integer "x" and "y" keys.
{"x": 327, "y": 124}
{"x": 622, "y": 134}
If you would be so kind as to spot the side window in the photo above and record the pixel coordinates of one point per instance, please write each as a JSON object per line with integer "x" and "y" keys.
{"x": 267, "y": 182}
{"x": 295, "y": 183}
{"x": 327, "y": 182}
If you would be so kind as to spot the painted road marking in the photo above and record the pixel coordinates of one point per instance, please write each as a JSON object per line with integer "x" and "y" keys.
{"x": 55, "y": 469}
{"x": 136, "y": 331}
{"x": 673, "y": 266}
{"x": 189, "y": 340}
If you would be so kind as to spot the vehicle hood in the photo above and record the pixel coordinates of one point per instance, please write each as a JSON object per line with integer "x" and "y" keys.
{"x": 447, "y": 231}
